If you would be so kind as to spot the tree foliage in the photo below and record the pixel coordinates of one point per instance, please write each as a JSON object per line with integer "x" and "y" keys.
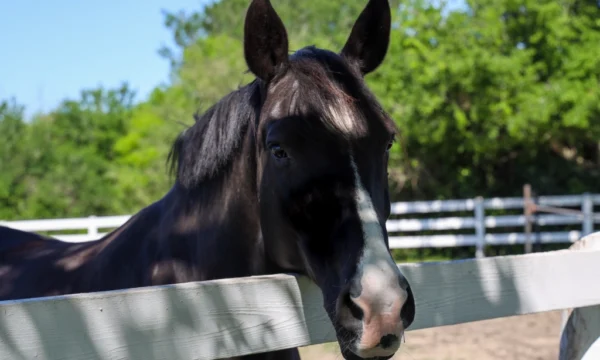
{"x": 496, "y": 96}
{"x": 487, "y": 98}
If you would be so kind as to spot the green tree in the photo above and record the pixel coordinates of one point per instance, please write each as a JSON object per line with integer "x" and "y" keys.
{"x": 61, "y": 164}
{"x": 141, "y": 169}
{"x": 489, "y": 98}
{"x": 14, "y": 157}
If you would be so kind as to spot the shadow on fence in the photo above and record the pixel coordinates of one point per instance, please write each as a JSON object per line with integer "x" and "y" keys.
{"x": 120, "y": 326}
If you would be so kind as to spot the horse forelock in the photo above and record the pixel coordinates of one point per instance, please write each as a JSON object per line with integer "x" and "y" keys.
{"x": 315, "y": 82}
{"x": 321, "y": 83}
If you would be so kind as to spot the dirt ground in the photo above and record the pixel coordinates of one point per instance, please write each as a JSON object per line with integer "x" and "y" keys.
{"x": 528, "y": 337}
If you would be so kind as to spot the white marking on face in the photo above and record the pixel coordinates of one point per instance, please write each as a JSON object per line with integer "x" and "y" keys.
{"x": 382, "y": 297}
{"x": 376, "y": 261}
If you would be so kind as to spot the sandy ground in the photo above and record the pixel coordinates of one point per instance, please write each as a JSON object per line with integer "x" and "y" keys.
{"x": 528, "y": 337}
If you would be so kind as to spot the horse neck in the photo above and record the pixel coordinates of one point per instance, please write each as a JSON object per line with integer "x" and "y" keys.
{"x": 218, "y": 221}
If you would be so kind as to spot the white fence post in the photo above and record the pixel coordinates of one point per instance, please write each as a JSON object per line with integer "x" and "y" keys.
{"x": 528, "y": 213}
{"x": 92, "y": 227}
{"x": 580, "y": 333}
{"x": 480, "y": 227}
{"x": 587, "y": 207}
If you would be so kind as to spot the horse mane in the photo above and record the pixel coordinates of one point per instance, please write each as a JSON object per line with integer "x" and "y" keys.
{"x": 202, "y": 150}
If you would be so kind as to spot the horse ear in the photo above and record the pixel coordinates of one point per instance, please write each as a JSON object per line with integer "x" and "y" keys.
{"x": 370, "y": 37}
{"x": 265, "y": 40}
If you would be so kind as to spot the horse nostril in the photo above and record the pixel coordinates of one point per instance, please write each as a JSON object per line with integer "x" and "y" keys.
{"x": 355, "y": 310}
{"x": 407, "y": 314}
{"x": 388, "y": 341}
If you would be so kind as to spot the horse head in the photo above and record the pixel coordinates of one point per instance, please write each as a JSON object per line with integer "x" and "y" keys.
{"x": 322, "y": 146}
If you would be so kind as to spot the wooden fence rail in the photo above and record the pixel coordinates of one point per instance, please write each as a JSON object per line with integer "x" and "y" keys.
{"x": 232, "y": 317}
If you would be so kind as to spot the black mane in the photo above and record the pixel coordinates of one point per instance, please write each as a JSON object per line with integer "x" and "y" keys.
{"x": 210, "y": 144}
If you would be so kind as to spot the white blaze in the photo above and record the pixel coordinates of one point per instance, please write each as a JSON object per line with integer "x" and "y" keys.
{"x": 379, "y": 272}
{"x": 381, "y": 293}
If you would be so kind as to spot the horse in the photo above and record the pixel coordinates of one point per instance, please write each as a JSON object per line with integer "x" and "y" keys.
{"x": 286, "y": 174}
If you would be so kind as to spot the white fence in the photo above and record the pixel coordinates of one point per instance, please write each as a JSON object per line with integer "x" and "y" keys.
{"x": 92, "y": 224}
{"x": 402, "y": 229}
{"x": 481, "y": 222}
{"x": 233, "y": 317}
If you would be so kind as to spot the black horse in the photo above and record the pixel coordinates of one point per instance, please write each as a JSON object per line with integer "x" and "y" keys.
{"x": 286, "y": 174}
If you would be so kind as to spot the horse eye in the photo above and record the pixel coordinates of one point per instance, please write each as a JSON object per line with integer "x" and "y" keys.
{"x": 278, "y": 152}
{"x": 390, "y": 143}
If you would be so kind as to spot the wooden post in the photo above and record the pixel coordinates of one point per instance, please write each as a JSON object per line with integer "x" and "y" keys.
{"x": 480, "y": 227}
{"x": 527, "y": 209}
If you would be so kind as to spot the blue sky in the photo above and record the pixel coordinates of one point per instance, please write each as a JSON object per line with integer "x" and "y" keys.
{"x": 52, "y": 49}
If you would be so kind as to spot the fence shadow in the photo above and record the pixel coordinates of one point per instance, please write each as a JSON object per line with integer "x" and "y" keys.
{"x": 142, "y": 324}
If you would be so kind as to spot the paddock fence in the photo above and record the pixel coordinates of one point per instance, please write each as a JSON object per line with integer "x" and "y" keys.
{"x": 538, "y": 220}
{"x": 235, "y": 317}
{"x": 450, "y": 223}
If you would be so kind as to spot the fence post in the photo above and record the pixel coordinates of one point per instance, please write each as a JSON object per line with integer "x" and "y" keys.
{"x": 480, "y": 227}
{"x": 580, "y": 328}
{"x": 587, "y": 208}
{"x": 92, "y": 227}
{"x": 527, "y": 210}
